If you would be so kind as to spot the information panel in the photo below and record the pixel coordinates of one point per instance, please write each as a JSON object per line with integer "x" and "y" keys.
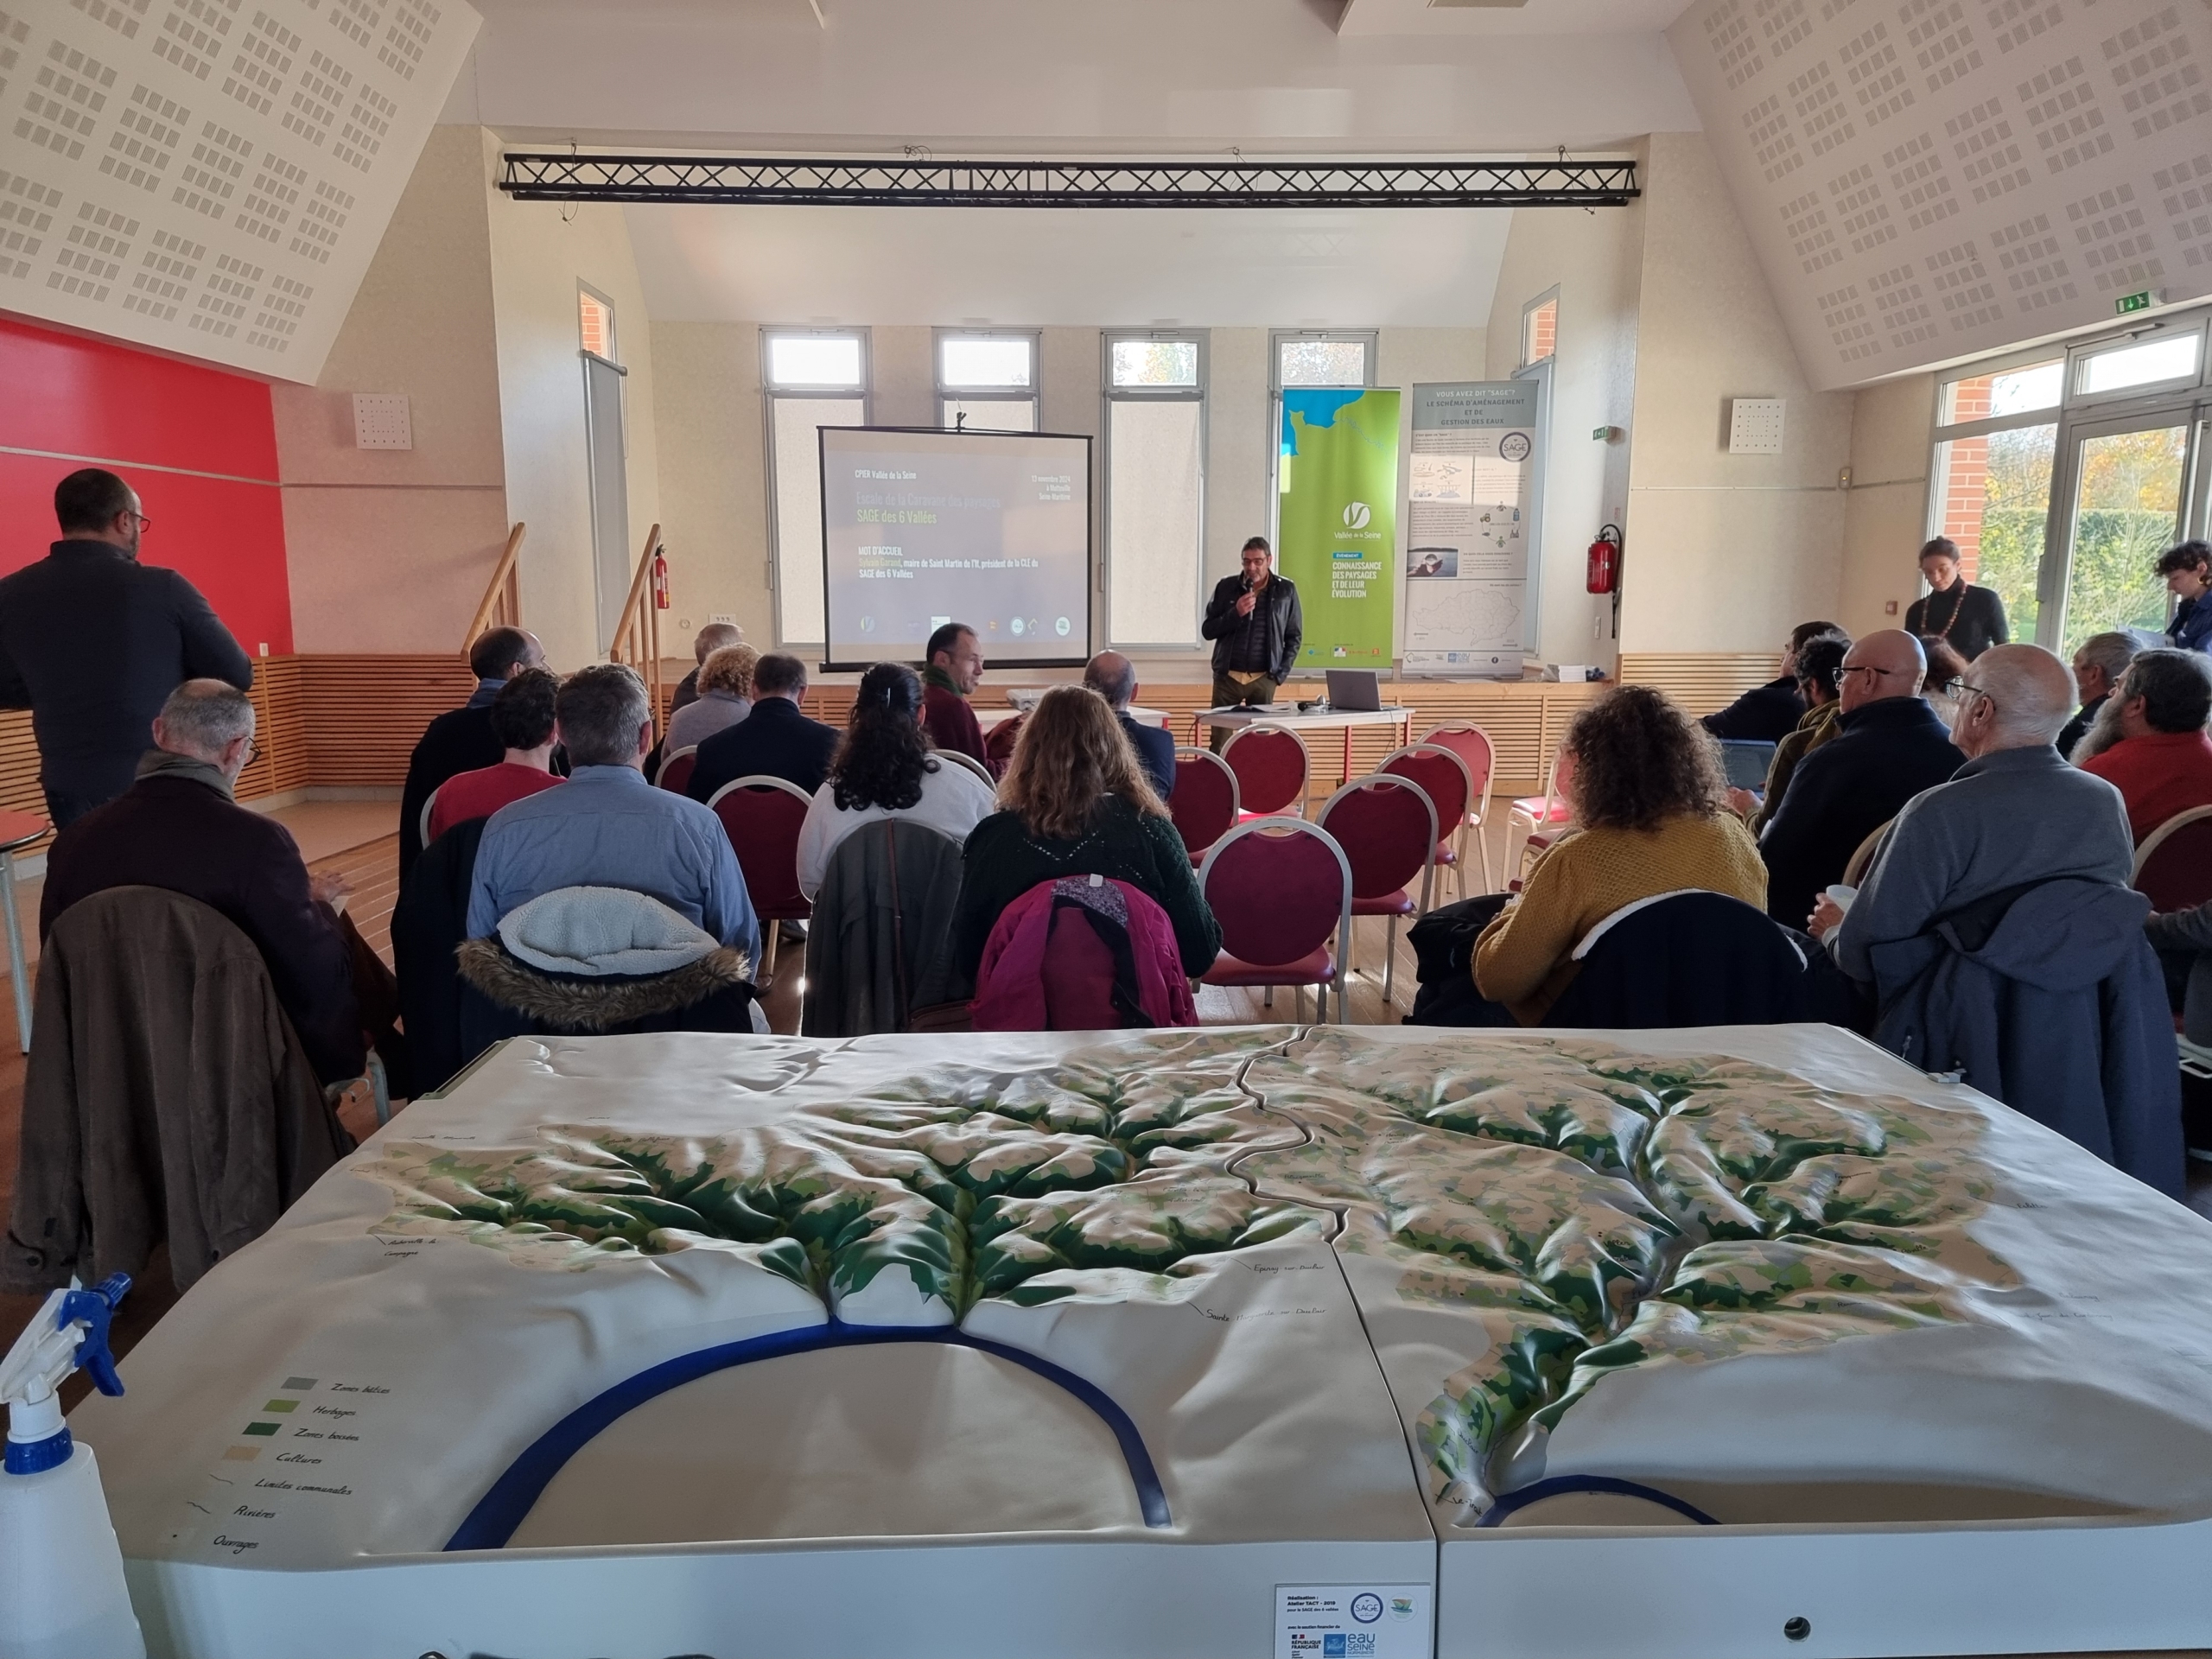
{"x": 1338, "y": 479}
{"x": 1471, "y": 501}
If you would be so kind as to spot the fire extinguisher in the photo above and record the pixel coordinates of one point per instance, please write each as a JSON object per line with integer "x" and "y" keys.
{"x": 1605, "y": 559}
{"x": 660, "y": 581}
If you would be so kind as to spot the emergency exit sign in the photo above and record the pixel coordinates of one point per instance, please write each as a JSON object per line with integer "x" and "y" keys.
{"x": 2143, "y": 301}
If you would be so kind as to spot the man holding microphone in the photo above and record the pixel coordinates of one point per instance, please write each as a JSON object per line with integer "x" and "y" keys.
{"x": 1255, "y": 625}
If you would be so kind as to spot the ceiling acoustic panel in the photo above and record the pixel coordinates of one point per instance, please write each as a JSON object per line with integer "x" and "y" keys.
{"x": 212, "y": 177}
{"x": 1928, "y": 179}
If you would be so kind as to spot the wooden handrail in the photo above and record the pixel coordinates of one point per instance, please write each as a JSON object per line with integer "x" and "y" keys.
{"x": 502, "y": 603}
{"x": 637, "y": 636}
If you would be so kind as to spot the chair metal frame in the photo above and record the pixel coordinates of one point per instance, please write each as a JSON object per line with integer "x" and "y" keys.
{"x": 1862, "y": 855}
{"x": 422, "y": 820}
{"x": 1459, "y": 831}
{"x": 670, "y": 759}
{"x": 1521, "y": 828}
{"x": 1428, "y": 869}
{"x": 970, "y": 762}
{"x": 1276, "y": 822}
{"x": 1296, "y": 806}
{"x": 1188, "y": 755}
{"x": 762, "y": 780}
{"x": 1477, "y": 812}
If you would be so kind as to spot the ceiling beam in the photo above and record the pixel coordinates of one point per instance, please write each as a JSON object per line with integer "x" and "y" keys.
{"x": 529, "y": 176}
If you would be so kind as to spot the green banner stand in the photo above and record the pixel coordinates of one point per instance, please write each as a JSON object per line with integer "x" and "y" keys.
{"x": 1338, "y": 522}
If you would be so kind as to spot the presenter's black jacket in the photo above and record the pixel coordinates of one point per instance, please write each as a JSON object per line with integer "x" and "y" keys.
{"x": 1765, "y": 714}
{"x": 92, "y": 642}
{"x": 774, "y": 740}
{"x": 1970, "y": 620}
{"x": 1883, "y": 754}
{"x": 1278, "y": 612}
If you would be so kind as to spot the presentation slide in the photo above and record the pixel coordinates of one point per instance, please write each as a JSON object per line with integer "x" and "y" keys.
{"x": 921, "y": 528}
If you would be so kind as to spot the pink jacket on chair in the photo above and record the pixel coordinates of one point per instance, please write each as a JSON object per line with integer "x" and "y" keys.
{"x": 1036, "y": 976}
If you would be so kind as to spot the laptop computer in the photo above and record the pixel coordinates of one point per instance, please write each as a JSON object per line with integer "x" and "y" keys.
{"x": 1355, "y": 690}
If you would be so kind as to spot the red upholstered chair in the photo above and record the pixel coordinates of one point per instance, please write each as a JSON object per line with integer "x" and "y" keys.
{"x": 2173, "y": 866}
{"x": 1387, "y": 826}
{"x": 1278, "y": 886}
{"x": 675, "y": 769}
{"x": 1203, "y": 803}
{"x": 1472, "y": 745}
{"x": 1534, "y": 821}
{"x": 1271, "y": 767}
{"x": 761, "y": 815}
{"x": 968, "y": 761}
{"x": 1450, "y": 789}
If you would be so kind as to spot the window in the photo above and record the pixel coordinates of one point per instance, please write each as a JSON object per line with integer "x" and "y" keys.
{"x": 595, "y": 324}
{"x": 1322, "y": 359}
{"x": 812, "y": 377}
{"x": 2149, "y": 363}
{"x": 1539, "y": 329}
{"x": 1155, "y": 487}
{"x": 986, "y": 378}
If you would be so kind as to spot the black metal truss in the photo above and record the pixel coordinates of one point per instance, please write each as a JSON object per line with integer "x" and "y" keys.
{"x": 534, "y": 176}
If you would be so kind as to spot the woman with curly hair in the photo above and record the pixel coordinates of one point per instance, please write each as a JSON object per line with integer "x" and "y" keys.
{"x": 884, "y": 769}
{"x": 725, "y": 697}
{"x": 1651, "y": 811}
{"x": 1075, "y": 801}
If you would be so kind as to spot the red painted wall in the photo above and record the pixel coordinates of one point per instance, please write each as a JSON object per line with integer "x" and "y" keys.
{"x": 83, "y": 402}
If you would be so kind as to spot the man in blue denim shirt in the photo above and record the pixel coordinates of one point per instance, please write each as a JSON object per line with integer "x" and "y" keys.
{"x": 607, "y": 826}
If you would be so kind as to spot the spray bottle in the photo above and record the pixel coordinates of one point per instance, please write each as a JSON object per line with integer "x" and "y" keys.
{"x": 62, "y": 1589}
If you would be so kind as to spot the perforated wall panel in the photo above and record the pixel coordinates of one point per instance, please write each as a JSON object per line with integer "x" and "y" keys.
{"x": 212, "y": 176}
{"x": 1926, "y": 179}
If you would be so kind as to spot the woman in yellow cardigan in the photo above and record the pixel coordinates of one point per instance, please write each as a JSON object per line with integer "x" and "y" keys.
{"x": 1652, "y": 816}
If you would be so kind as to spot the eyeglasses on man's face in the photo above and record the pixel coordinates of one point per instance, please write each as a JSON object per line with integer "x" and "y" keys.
{"x": 1849, "y": 669}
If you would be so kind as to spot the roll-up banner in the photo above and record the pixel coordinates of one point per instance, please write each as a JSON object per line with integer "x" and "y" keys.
{"x": 1471, "y": 491}
{"x": 1337, "y": 521}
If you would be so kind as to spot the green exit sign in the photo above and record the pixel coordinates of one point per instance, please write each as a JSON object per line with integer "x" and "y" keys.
{"x": 2143, "y": 301}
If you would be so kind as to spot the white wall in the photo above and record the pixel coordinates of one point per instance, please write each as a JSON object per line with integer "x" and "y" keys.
{"x": 541, "y": 251}
{"x": 1885, "y": 512}
{"x": 390, "y": 549}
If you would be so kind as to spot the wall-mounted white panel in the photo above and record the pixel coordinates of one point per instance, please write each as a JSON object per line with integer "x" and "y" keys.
{"x": 1926, "y": 179}
{"x": 212, "y": 177}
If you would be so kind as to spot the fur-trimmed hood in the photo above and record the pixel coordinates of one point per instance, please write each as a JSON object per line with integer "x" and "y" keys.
{"x": 600, "y": 1002}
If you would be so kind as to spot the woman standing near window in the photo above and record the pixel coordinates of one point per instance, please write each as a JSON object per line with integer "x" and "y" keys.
{"x": 1970, "y": 620}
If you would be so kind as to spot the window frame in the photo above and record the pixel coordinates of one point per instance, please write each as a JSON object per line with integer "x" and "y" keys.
{"x": 949, "y": 391}
{"x": 1110, "y": 395}
{"x": 770, "y": 392}
{"x": 613, "y": 352}
{"x": 1549, "y": 296}
{"x": 1370, "y": 339}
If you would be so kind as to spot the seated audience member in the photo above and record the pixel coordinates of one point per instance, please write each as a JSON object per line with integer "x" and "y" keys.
{"x": 607, "y": 826}
{"x": 2187, "y": 571}
{"x": 463, "y": 740}
{"x": 521, "y": 719}
{"x": 1940, "y": 683}
{"x": 1969, "y": 618}
{"x": 725, "y": 698}
{"x": 178, "y": 828}
{"x": 955, "y": 668}
{"x": 2038, "y": 985}
{"x": 1114, "y": 677}
{"x": 1075, "y": 802}
{"x": 1769, "y": 713}
{"x": 2098, "y": 661}
{"x": 2148, "y": 740}
{"x": 1818, "y": 664}
{"x": 1888, "y": 745}
{"x": 711, "y": 638}
{"x": 1651, "y": 808}
{"x": 774, "y": 740}
{"x": 884, "y": 769}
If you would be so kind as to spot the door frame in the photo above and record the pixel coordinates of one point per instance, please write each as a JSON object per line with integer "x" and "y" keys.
{"x": 2190, "y": 410}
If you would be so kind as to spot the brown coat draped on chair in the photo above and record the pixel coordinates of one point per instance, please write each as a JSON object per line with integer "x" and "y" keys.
{"x": 167, "y": 1096}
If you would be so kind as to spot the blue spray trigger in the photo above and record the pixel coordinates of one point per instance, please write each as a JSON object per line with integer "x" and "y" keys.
{"x": 96, "y": 1308}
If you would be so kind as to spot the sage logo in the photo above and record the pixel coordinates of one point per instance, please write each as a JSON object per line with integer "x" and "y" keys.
{"x": 1355, "y": 516}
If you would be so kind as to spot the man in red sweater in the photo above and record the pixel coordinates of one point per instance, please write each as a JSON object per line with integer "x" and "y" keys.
{"x": 2149, "y": 741}
{"x": 521, "y": 719}
{"x": 955, "y": 668}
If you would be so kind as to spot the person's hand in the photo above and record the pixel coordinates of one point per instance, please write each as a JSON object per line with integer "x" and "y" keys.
{"x": 1826, "y": 914}
{"x": 1743, "y": 801}
{"x": 1244, "y": 605}
{"x": 327, "y": 888}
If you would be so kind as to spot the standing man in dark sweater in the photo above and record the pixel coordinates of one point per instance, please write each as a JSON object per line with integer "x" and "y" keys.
{"x": 1970, "y": 620}
{"x": 463, "y": 740}
{"x": 1256, "y": 628}
{"x": 954, "y": 669}
{"x": 91, "y": 641}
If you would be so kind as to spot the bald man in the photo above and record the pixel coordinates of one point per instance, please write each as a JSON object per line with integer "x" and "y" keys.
{"x": 1888, "y": 745}
{"x": 1114, "y": 677}
{"x": 2039, "y": 985}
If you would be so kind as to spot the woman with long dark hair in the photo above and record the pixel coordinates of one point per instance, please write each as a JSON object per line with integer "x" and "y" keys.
{"x": 884, "y": 769}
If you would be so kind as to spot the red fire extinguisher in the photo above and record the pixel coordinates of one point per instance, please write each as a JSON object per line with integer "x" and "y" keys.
{"x": 1605, "y": 559}
{"x": 660, "y": 581}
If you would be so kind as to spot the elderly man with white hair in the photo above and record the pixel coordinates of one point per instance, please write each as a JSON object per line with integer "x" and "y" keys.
{"x": 2001, "y": 939}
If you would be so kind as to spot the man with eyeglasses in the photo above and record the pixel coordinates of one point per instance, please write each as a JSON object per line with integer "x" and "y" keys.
{"x": 1888, "y": 745}
{"x": 91, "y": 641}
{"x": 1998, "y": 931}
